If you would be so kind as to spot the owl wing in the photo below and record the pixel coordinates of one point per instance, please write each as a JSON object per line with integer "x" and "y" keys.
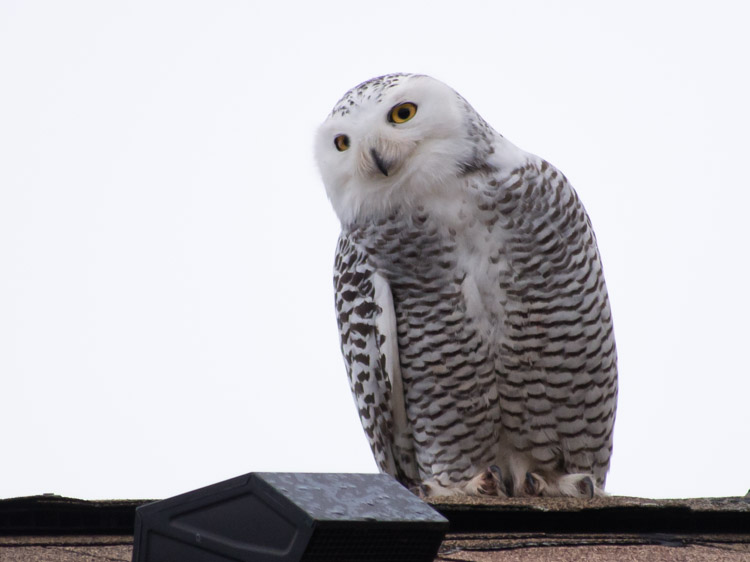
{"x": 369, "y": 343}
{"x": 558, "y": 389}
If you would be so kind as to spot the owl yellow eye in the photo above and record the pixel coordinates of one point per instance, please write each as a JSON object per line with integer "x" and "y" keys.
{"x": 402, "y": 112}
{"x": 341, "y": 142}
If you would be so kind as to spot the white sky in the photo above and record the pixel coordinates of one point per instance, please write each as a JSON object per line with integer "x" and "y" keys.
{"x": 166, "y": 246}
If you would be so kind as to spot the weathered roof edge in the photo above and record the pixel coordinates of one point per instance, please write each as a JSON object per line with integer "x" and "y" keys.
{"x": 56, "y": 515}
{"x": 614, "y": 514}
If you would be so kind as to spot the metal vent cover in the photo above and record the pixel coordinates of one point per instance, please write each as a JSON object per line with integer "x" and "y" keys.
{"x": 269, "y": 517}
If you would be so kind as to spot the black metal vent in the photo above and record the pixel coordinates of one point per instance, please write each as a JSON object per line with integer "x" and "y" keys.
{"x": 268, "y": 517}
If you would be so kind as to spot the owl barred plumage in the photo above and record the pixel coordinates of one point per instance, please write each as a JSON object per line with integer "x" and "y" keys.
{"x": 473, "y": 313}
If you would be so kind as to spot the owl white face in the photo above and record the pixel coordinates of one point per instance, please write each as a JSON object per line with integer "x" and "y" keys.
{"x": 392, "y": 141}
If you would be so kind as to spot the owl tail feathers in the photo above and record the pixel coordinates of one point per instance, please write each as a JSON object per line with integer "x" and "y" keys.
{"x": 405, "y": 464}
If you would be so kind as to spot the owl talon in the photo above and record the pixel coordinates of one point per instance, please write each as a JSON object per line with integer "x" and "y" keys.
{"x": 497, "y": 474}
{"x": 424, "y": 491}
{"x": 489, "y": 482}
{"x": 587, "y": 488}
{"x": 534, "y": 485}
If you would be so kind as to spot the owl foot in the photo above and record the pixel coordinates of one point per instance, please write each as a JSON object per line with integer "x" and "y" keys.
{"x": 432, "y": 488}
{"x": 487, "y": 483}
{"x": 567, "y": 485}
{"x": 579, "y": 486}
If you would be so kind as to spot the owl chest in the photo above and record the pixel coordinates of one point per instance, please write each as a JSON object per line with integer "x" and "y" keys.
{"x": 445, "y": 289}
{"x": 421, "y": 261}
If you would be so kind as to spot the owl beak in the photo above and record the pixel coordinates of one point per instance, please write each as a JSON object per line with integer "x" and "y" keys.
{"x": 379, "y": 161}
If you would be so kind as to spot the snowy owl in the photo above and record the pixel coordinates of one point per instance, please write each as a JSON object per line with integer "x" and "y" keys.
{"x": 474, "y": 319}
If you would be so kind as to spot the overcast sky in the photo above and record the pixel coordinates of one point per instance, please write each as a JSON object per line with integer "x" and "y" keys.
{"x": 166, "y": 245}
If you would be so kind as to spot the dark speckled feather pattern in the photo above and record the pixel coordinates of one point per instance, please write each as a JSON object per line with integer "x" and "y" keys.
{"x": 519, "y": 359}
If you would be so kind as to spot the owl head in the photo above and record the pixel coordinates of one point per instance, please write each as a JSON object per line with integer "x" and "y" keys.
{"x": 398, "y": 141}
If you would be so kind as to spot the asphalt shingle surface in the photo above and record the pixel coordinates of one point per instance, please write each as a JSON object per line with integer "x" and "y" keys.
{"x": 66, "y": 549}
{"x": 482, "y": 530}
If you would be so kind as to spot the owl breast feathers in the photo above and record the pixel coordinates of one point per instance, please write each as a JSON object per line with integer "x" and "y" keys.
{"x": 474, "y": 318}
